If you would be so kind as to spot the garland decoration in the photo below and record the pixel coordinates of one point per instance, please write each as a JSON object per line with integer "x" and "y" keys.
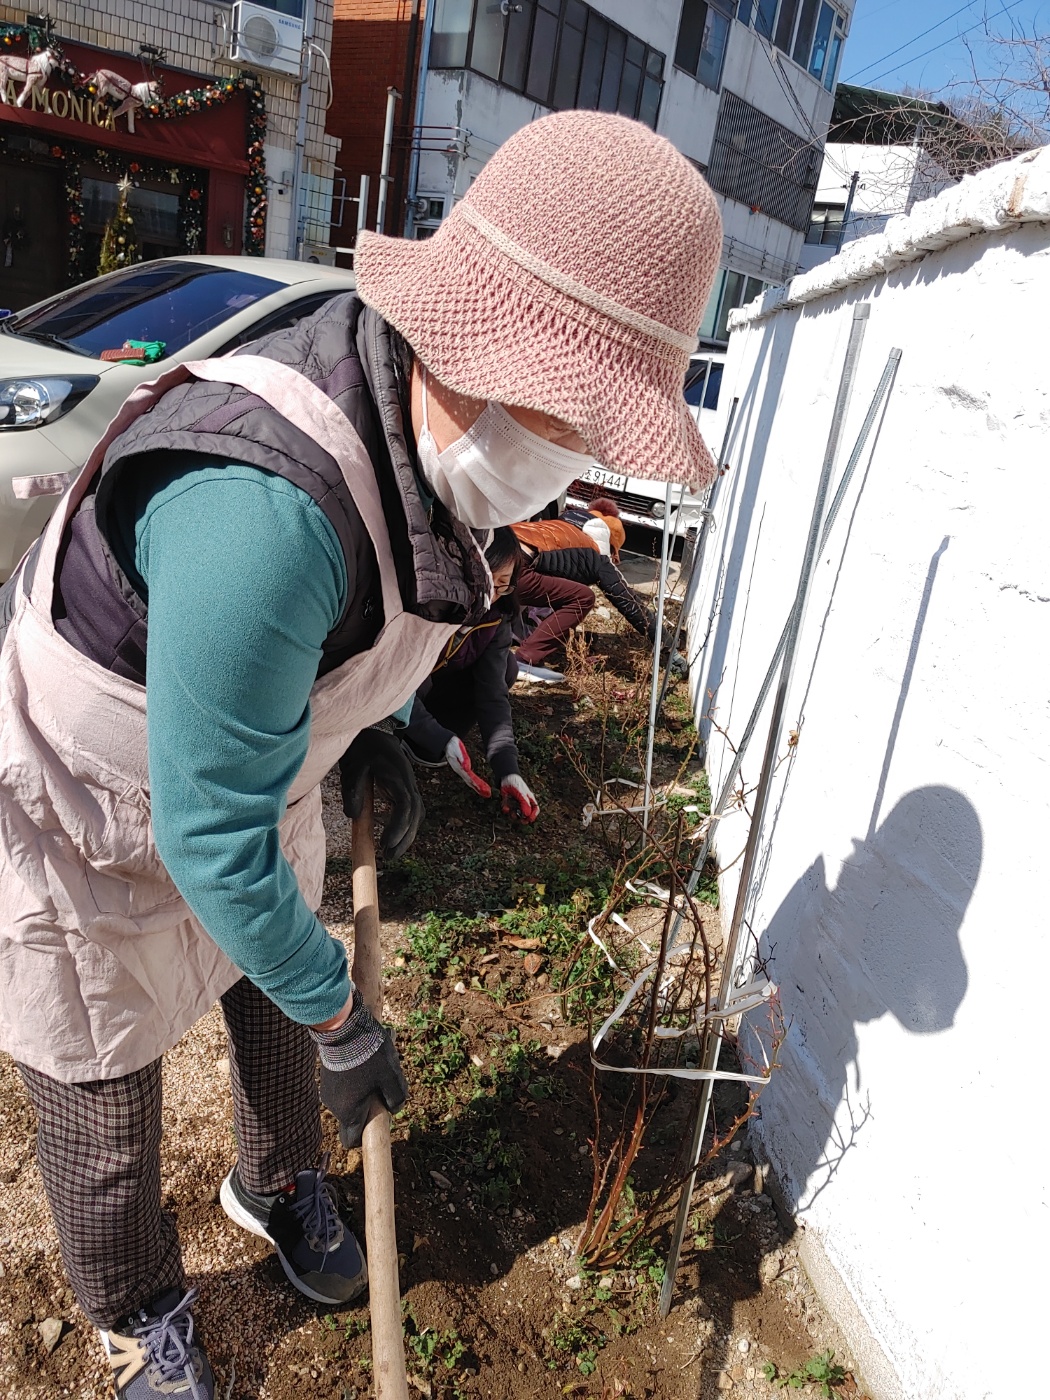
{"x": 38, "y": 39}
{"x": 123, "y": 166}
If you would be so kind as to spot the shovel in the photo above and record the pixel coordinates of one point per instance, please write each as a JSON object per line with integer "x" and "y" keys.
{"x": 384, "y": 1290}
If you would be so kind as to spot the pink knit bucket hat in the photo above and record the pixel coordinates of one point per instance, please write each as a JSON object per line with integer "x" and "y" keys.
{"x": 572, "y": 279}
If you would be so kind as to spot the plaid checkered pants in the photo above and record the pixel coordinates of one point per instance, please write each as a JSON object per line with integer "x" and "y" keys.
{"x": 98, "y": 1148}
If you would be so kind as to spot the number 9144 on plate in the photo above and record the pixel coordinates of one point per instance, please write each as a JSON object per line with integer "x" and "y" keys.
{"x": 597, "y": 477}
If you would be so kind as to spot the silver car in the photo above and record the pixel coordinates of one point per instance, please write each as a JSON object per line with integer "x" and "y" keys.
{"x": 57, "y": 396}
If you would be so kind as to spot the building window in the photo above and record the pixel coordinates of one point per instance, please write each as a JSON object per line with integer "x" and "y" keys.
{"x": 560, "y": 53}
{"x": 762, "y": 164}
{"x": 448, "y": 41}
{"x": 703, "y": 33}
{"x": 730, "y": 290}
{"x": 283, "y": 7}
{"x": 825, "y": 225}
{"x": 811, "y": 32}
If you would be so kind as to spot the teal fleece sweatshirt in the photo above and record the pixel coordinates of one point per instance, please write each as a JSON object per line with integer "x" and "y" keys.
{"x": 244, "y": 579}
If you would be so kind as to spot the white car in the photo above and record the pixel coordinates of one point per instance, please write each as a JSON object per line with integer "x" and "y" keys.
{"x": 642, "y": 502}
{"x": 57, "y": 396}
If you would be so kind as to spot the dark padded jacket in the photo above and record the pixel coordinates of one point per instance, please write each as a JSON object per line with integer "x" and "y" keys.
{"x": 468, "y": 685}
{"x": 349, "y": 352}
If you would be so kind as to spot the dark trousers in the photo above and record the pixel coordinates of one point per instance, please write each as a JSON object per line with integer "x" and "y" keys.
{"x": 596, "y": 570}
{"x": 570, "y": 603}
{"x": 98, "y": 1148}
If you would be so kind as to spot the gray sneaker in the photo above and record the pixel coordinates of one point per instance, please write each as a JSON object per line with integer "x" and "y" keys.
{"x": 153, "y": 1352}
{"x": 306, "y": 1226}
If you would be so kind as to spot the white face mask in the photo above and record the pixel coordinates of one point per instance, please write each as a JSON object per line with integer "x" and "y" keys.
{"x": 498, "y": 472}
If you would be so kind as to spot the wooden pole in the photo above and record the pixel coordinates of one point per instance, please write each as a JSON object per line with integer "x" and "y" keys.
{"x": 384, "y": 1296}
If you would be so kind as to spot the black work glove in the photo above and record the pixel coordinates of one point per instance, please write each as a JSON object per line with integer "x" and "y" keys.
{"x": 380, "y": 757}
{"x": 358, "y": 1063}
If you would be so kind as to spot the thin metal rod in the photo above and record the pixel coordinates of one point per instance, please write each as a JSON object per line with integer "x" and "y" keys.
{"x": 654, "y": 686}
{"x": 392, "y": 95}
{"x": 728, "y": 785}
{"x": 707, "y": 520}
{"x": 713, "y": 1037}
{"x": 362, "y": 207}
{"x": 296, "y": 219}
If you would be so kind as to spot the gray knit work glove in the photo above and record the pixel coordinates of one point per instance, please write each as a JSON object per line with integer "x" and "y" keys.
{"x": 358, "y": 1062}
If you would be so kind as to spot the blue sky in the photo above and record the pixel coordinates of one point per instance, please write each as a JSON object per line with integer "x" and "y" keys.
{"x": 935, "y": 59}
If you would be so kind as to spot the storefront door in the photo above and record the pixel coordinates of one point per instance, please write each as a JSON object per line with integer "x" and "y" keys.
{"x": 32, "y": 234}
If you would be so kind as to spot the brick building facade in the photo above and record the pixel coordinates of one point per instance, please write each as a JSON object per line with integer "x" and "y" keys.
{"x": 375, "y": 46}
{"x": 198, "y": 183}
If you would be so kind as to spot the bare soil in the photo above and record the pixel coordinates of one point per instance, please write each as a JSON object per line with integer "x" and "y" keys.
{"x": 492, "y": 1158}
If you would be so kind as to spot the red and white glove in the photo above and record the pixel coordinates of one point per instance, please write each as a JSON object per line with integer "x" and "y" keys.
{"x": 518, "y": 799}
{"x": 458, "y": 760}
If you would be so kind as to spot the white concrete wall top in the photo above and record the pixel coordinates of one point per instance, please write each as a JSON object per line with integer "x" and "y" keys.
{"x": 1000, "y": 198}
{"x": 900, "y": 892}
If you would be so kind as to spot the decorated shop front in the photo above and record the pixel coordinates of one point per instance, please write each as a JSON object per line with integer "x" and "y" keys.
{"x": 107, "y": 159}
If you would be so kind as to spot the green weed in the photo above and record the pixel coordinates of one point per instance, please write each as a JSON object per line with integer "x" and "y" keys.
{"x": 435, "y": 1047}
{"x": 579, "y": 1338}
{"x": 433, "y": 945}
{"x": 821, "y": 1371}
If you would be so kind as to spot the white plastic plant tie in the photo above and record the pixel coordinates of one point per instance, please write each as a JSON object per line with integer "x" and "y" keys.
{"x": 648, "y": 887}
{"x": 624, "y": 1002}
{"x": 598, "y": 942}
{"x": 694, "y": 1074}
{"x": 595, "y": 808}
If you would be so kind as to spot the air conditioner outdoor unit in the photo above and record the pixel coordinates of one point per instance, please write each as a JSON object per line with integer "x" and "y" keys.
{"x": 263, "y": 38}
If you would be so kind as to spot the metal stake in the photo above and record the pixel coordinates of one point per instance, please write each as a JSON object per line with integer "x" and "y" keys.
{"x": 661, "y": 595}
{"x": 707, "y": 520}
{"x": 731, "y": 777}
{"x": 392, "y": 96}
{"x": 713, "y": 1038}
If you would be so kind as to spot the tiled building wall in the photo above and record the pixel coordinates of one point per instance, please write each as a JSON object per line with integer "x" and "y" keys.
{"x": 194, "y": 34}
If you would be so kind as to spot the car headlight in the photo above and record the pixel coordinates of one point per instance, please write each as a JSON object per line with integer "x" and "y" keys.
{"x": 29, "y": 403}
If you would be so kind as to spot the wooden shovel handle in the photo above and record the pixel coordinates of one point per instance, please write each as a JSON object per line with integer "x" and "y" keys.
{"x": 384, "y": 1296}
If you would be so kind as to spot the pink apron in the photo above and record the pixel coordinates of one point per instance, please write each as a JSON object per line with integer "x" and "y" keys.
{"x": 102, "y": 965}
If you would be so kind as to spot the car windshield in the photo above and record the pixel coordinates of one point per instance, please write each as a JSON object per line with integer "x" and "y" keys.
{"x": 174, "y": 302}
{"x": 694, "y": 382}
{"x": 701, "y": 387}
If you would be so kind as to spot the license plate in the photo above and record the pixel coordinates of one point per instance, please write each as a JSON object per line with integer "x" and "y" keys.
{"x": 597, "y": 477}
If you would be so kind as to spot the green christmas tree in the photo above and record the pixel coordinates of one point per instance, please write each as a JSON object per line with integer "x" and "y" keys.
{"x": 119, "y": 244}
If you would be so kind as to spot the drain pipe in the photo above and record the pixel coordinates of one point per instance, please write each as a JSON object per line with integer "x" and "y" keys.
{"x": 417, "y": 120}
{"x": 392, "y": 96}
{"x": 296, "y": 223}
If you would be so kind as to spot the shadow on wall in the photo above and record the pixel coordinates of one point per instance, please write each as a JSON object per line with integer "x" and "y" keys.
{"x": 884, "y": 939}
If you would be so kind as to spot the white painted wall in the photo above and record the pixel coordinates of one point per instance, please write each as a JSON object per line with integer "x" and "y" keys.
{"x": 900, "y": 893}
{"x": 893, "y": 179}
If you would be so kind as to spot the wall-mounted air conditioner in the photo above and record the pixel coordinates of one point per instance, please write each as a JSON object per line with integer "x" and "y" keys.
{"x": 263, "y": 38}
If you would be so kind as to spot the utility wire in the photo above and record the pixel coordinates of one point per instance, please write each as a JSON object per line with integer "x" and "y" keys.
{"x": 793, "y": 102}
{"x": 913, "y": 40}
{"x": 926, "y": 52}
